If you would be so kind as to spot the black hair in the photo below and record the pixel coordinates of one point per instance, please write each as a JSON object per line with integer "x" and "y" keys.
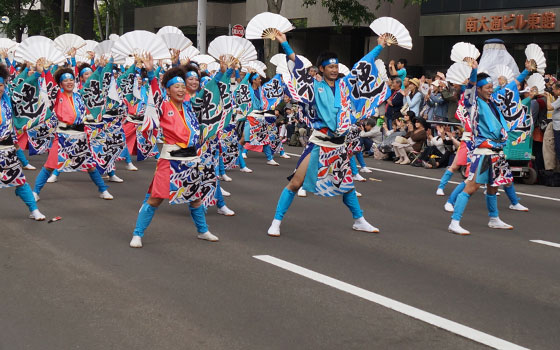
{"x": 403, "y": 61}
{"x": 82, "y": 65}
{"x": 191, "y": 68}
{"x": 371, "y": 122}
{"x": 203, "y": 74}
{"x": 252, "y": 77}
{"x": 325, "y": 56}
{"x": 411, "y": 114}
{"x": 481, "y": 76}
{"x": 4, "y": 73}
{"x": 172, "y": 73}
{"x": 61, "y": 71}
{"x": 556, "y": 85}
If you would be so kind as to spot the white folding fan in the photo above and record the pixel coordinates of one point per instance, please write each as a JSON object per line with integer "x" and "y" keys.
{"x": 279, "y": 60}
{"x": 114, "y": 37}
{"x": 140, "y": 42}
{"x": 266, "y": 25}
{"x": 169, "y": 29}
{"x": 536, "y": 80}
{"x": 104, "y": 49}
{"x": 464, "y": 52}
{"x": 68, "y": 41}
{"x": 501, "y": 70}
{"x": 7, "y": 44}
{"x": 231, "y": 49}
{"x": 203, "y": 59}
{"x": 382, "y": 71}
{"x": 188, "y": 53}
{"x": 175, "y": 41}
{"x": 36, "y": 47}
{"x": 535, "y": 54}
{"x": 88, "y": 47}
{"x": 458, "y": 73}
{"x": 394, "y": 31}
{"x": 213, "y": 67}
{"x": 255, "y": 66}
{"x": 343, "y": 69}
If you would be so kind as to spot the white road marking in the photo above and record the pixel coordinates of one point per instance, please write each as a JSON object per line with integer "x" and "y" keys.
{"x": 437, "y": 179}
{"x": 411, "y": 311}
{"x": 552, "y": 244}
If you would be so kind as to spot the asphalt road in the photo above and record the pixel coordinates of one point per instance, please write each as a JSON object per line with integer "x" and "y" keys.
{"x": 75, "y": 284}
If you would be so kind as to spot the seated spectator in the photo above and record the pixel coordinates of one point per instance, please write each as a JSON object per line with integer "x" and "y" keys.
{"x": 413, "y": 140}
{"x": 439, "y": 148}
{"x": 369, "y": 135}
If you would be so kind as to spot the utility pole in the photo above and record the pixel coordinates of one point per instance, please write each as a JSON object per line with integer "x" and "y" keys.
{"x": 201, "y": 26}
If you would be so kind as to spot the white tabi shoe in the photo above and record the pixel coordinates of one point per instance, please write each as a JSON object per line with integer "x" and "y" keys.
{"x": 365, "y": 170}
{"x": 439, "y": 192}
{"x": 106, "y": 195}
{"x": 36, "y": 215}
{"x": 362, "y": 225}
{"x": 358, "y": 177}
{"x": 499, "y": 224}
{"x": 115, "y": 178}
{"x": 208, "y": 237}
{"x": 455, "y": 228}
{"x": 358, "y": 194}
{"x": 225, "y": 178}
{"x": 226, "y": 211}
{"x": 136, "y": 242}
{"x": 518, "y": 207}
{"x": 285, "y": 156}
{"x": 131, "y": 167}
{"x": 272, "y": 162}
{"x": 448, "y": 207}
{"x": 36, "y": 196}
{"x": 246, "y": 170}
{"x": 224, "y": 192}
{"x": 301, "y": 192}
{"x": 274, "y": 229}
{"x": 244, "y": 155}
{"x": 52, "y": 179}
{"x": 29, "y": 167}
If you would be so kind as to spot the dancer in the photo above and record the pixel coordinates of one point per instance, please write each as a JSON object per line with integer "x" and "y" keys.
{"x": 323, "y": 168}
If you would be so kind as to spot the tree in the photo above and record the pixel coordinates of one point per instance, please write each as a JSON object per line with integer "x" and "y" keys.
{"x": 24, "y": 18}
{"x": 83, "y": 18}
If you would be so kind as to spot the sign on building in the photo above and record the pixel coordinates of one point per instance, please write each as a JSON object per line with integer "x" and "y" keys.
{"x": 238, "y": 30}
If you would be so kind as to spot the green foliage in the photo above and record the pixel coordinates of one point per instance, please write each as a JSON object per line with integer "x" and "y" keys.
{"x": 34, "y": 21}
{"x": 352, "y": 11}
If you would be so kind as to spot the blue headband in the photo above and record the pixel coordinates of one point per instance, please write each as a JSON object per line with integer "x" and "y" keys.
{"x": 329, "y": 61}
{"x": 176, "y": 80}
{"x": 85, "y": 70}
{"x": 65, "y": 76}
{"x": 1, "y": 80}
{"x": 191, "y": 74}
{"x": 483, "y": 82}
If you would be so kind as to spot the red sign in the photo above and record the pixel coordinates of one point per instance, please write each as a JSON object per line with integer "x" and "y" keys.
{"x": 238, "y": 30}
{"x": 546, "y": 20}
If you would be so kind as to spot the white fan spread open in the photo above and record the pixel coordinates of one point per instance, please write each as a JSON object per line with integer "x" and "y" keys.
{"x": 501, "y": 70}
{"x": 464, "y": 52}
{"x": 36, "y": 47}
{"x": 88, "y": 47}
{"x": 169, "y": 29}
{"x": 458, "y": 73}
{"x": 232, "y": 49}
{"x": 255, "y": 66}
{"x": 140, "y": 42}
{"x": 394, "y": 31}
{"x": 7, "y": 44}
{"x": 382, "y": 71}
{"x": 188, "y": 53}
{"x": 279, "y": 60}
{"x": 175, "y": 41}
{"x": 68, "y": 41}
{"x": 343, "y": 69}
{"x": 536, "y": 80}
{"x": 203, "y": 59}
{"x": 213, "y": 67}
{"x": 266, "y": 25}
{"x": 535, "y": 54}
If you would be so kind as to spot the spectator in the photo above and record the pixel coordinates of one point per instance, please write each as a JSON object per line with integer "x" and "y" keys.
{"x": 371, "y": 134}
{"x": 555, "y": 106}
{"x": 439, "y": 148}
{"x": 290, "y": 122}
{"x": 394, "y": 102}
{"x": 413, "y": 97}
{"x": 436, "y": 102}
{"x": 413, "y": 140}
{"x": 400, "y": 71}
{"x": 451, "y": 95}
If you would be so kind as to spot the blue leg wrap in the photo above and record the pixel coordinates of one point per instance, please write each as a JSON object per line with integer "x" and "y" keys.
{"x": 219, "y": 196}
{"x": 221, "y": 167}
{"x": 453, "y": 197}
{"x": 144, "y": 218}
{"x": 126, "y": 154}
{"x": 510, "y": 191}
{"x": 360, "y": 158}
{"x": 21, "y": 156}
{"x": 98, "y": 181}
{"x": 146, "y": 198}
{"x": 240, "y": 160}
{"x": 351, "y": 201}
{"x": 111, "y": 173}
{"x": 445, "y": 179}
{"x": 56, "y": 172}
{"x": 492, "y": 205}
{"x": 24, "y": 192}
{"x": 199, "y": 217}
{"x": 268, "y": 152}
{"x": 460, "y": 205}
{"x": 41, "y": 180}
{"x": 284, "y": 203}
{"x": 353, "y": 165}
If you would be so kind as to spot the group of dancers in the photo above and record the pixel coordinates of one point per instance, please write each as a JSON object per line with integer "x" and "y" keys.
{"x": 88, "y": 116}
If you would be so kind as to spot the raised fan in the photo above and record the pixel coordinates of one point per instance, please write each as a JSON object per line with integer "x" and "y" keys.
{"x": 36, "y": 47}
{"x": 464, "y": 52}
{"x": 88, "y": 47}
{"x": 68, "y": 41}
{"x": 536, "y": 80}
{"x": 175, "y": 41}
{"x": 232, "y": 49}
{"x": 104, "y": 49}
{"x": 7, "y": 44}
{"x": 213, "y": 67}
{"x": 114, "y": 37}
{"x": 535, "y": 54}
{"x": 266, "y": 25}
{"x": 343, "y": 69}
{"x": 140, "y": 42}
{"x": 188, "y": 53}
{"x": 255, "y": 66}
{"x": 381, "y": 69}
{"x": 169, "y": 29}
{"x": 394, "y": 31}
{"x": 501, "y": 70}
{"x": 458, "y": 73}
{"x": 203, "y": 59}
{"x": 279, "y": 60}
